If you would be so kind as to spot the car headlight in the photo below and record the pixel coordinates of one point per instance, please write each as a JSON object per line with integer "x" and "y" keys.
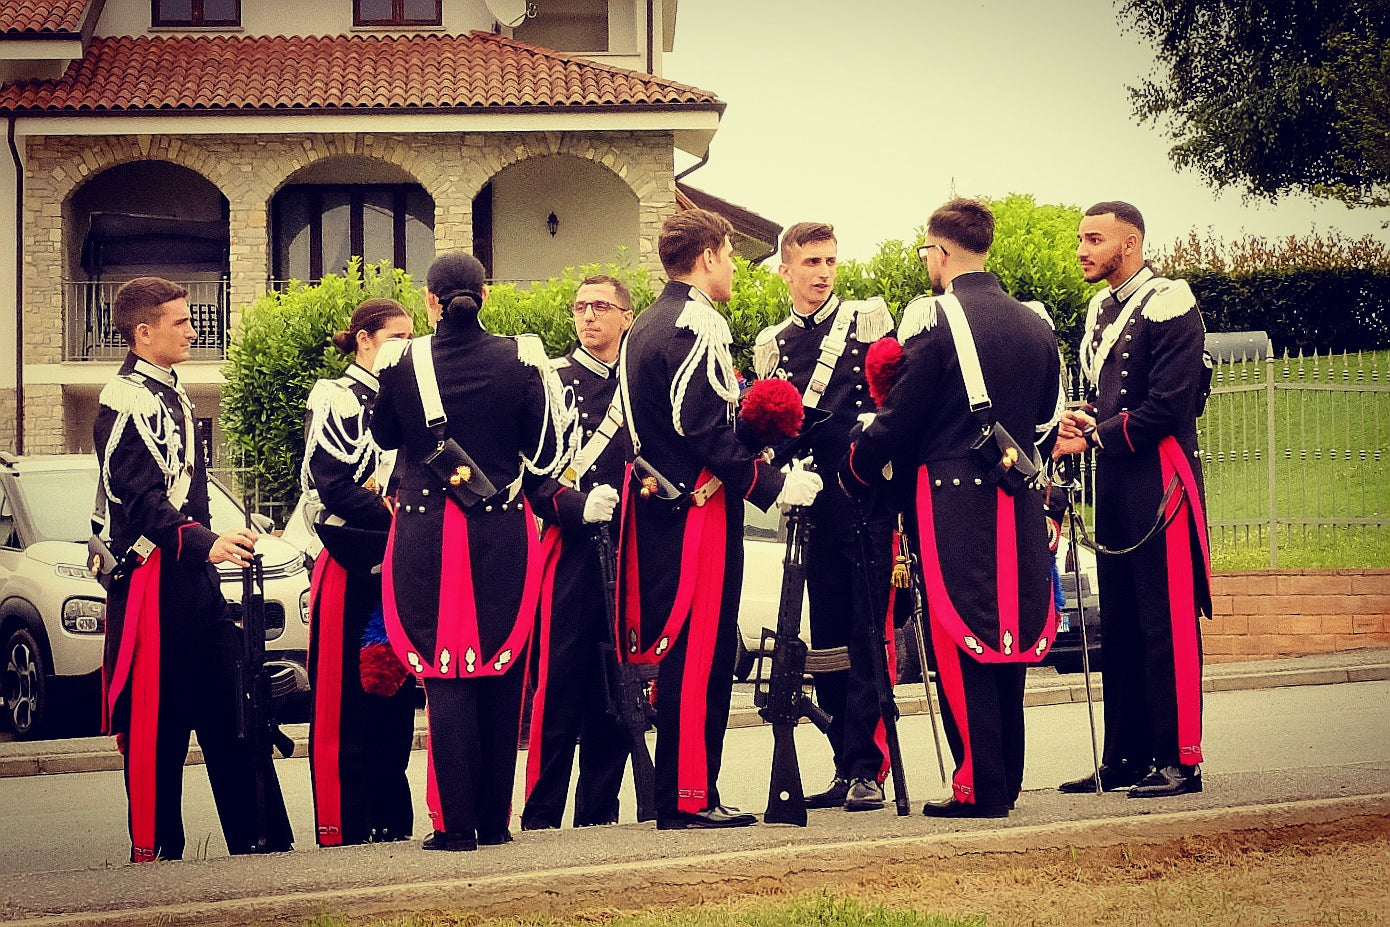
{"x": 304, "y": 606}
{"x": 72, "y": 571}
{"x": 84, "y": 616}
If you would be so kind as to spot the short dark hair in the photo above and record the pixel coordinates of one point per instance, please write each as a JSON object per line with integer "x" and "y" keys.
{"x": 619, "y": 288}
{"x": 1122, "y": 211}
{"x": 138, "y": 302}
{"x": 370, "y": 317}
{"x": 686, "y": 235}
{"x": 805, "y": 233}
{"x": 967, "y": 222}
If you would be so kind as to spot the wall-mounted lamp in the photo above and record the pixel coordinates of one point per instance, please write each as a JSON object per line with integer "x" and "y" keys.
{"x": 552, "y": 222}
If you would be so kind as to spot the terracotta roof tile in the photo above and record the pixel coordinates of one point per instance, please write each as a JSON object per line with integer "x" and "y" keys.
{"x": 256, "y": 73}
{"x": 30, "y": 18}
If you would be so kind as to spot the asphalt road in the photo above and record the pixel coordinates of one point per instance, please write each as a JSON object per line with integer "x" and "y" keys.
{"x": 51, "y": 823}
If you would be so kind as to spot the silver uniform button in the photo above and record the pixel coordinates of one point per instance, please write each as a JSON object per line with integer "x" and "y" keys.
{"x": 977, "y": 481}
{"x": 424, "y": 492}
{"x": 955, "y": 482}
{"x": 938, "y": 482}
{"x": 1124, "y": 373}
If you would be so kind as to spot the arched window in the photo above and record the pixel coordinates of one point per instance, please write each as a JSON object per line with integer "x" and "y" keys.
{"x": 318, "y": 227}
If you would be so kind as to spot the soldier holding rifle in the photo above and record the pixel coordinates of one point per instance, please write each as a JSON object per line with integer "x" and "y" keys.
{"x": 972, "y": 411}
{"x": 575, "y": 636}
{"x": 821, "y": 348}
{"x": 681, "y": 554}
{"x": 171, "y": 648}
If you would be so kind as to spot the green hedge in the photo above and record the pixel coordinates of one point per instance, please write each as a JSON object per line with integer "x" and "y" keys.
{"x": 281, "y": 347}
{"x": 1321, "y": 292}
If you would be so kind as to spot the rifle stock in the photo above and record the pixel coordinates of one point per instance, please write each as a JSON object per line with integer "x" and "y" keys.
{"x": 623, "y": 685}
{"x": 782, "y": 700}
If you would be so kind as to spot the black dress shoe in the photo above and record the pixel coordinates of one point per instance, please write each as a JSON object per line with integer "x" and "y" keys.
{"x": 864, "y": 795}
{"x": 952, "y": 808}
{"x": 833, "y": 797}
{"x": 494, "y": 838}
{"x": 718, "y": 816}
{"x": 1167, "y": 781}
{"x": 451, "y": 843}
{"x": 1119, "y": 776}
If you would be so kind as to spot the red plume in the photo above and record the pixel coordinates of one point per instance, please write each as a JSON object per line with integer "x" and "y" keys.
{"x": 881, "y": 365}
{"x": 771, "y": 411}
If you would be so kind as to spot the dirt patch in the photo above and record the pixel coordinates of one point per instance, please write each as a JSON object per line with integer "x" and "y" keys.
{"x": 1319, "y": 875}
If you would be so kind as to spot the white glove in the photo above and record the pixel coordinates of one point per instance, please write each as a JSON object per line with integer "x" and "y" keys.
{"x": 599, "y": 505}
{"x": 800, "y": 485}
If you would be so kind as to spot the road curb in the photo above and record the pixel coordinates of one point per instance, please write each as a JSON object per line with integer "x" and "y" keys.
{"x": 654, "y": 881}
{"x": 98, "y": 754}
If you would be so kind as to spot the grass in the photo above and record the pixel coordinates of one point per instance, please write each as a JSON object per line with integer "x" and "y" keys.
{"x": 1327, "y": 467}
{"x": 818, "y": 910}
{"x": 1308, "y": 875}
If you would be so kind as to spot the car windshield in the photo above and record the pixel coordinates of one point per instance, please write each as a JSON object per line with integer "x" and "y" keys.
{"x": 60, "y": 502}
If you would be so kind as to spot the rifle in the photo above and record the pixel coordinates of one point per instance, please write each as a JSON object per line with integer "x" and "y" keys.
{"x": 782, "y": 700}
{"x": 886, "y": 705}
{"x": 625, "y": 695}
{"x": 908, "y": 556}
{"x": 258, "y": 685}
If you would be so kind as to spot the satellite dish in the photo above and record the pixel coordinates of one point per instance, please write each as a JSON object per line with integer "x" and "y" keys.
{"x": 509, "y": 13}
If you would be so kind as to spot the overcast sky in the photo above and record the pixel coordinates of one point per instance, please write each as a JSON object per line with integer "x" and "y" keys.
{"x": 865, "y": 114}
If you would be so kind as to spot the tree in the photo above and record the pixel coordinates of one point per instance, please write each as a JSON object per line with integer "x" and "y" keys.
{"x": 1275, "y": 97}
{"x": 280, "y": 348}
{"x": 1034, "y": 257}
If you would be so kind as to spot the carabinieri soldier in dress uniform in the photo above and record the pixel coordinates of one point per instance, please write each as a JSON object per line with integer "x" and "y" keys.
{"x": 821, "y": 348}
{"x": 171, "y": 647}
{"x": 475, "y": 417}
{"x": 570, "y": 700}
{"x": 1142, "y": 356}
{"x": 681, "y": 555}
{"x": 975, "y": 362}
{"x": 359, "y": 741}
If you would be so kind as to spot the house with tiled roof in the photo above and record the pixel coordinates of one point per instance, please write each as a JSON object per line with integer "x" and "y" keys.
{"x": 235, "y": 144}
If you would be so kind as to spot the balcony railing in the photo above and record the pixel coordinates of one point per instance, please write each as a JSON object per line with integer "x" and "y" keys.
{"x": 88, "y": 334}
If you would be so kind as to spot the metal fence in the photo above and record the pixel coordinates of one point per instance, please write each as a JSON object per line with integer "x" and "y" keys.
{"x": 88, "y": 334}
{"x": 1294, "y": 453}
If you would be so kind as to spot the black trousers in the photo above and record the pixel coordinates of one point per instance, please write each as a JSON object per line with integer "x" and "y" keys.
{"x": 840, "y": 617}
{"x": 570, "y": 705}
{"x": 473, "y": 733}
{"x": 197, "y": 694}
{"x": 982, "y": 712}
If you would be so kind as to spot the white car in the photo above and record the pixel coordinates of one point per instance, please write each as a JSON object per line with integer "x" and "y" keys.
{"x": 52, "y": 612}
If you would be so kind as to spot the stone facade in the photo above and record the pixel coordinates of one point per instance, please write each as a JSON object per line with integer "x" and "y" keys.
{"x": 248, "y": 170}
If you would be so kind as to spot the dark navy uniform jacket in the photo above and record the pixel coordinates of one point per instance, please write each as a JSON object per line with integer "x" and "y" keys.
{"x": 926, "y": 426}
{"x": 143, "y": 407}
{"x": 465, "y": 617}
{"x": 342, "y": 457}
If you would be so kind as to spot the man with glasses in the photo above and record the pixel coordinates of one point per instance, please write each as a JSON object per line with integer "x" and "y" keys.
{"x": 973, "y": 408}
{"x": 821, "y": 348}
{"x": 569, "y": 703}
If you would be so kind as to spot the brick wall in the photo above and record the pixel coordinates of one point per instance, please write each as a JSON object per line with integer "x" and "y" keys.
{"x": 1262, "y": 615}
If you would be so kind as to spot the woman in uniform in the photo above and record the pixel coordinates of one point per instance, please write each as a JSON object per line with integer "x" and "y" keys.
{"x": 481, "y": 422}
{"x": 359, "y": 742}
